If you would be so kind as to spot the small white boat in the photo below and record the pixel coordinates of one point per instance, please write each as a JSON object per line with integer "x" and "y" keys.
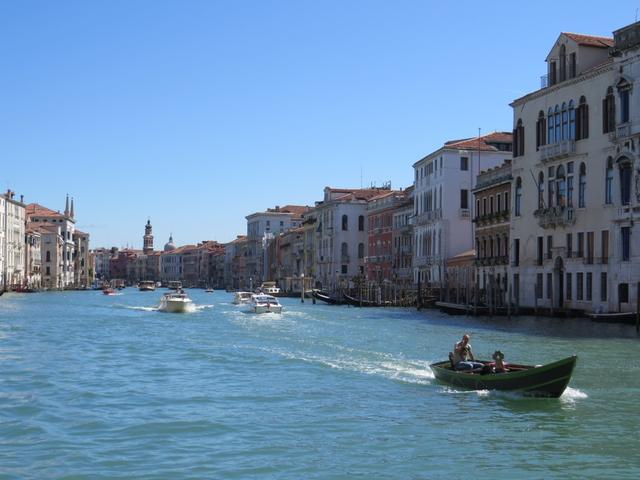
{"x": 177, "y": 302}
{"x": 269, "y": 288}
{"x": 147, "y": 286}
{"x": 264, "y": 304}
{"x": 242, "y": 298}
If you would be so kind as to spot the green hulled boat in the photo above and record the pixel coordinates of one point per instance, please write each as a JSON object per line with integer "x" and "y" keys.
{"x": 541, "y": 381}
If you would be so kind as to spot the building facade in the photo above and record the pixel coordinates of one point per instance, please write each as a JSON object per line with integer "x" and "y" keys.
{"x": 12, "y": 241}
{"x": 443, "y": 181}
{"x": 576, "y": 180}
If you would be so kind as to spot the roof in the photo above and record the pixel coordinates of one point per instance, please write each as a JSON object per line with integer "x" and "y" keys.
{"x": 590, "y": 40}
{"x": 356, "y": 193}
{"x": 462, "y": 259}
{"x": 482, "y": 143}
{"x": 38, "y": 210}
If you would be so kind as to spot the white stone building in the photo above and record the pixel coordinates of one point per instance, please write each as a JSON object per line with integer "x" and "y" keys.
{"x": 12, "y": 241}
{"x": 341, "y": 235}
{"x": 576, "y": 178}
{"x": 443, "y": 182}
{"x": 38, "y": 216}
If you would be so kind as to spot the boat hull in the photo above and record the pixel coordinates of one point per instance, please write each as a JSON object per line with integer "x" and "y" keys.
{"x": 542, "y": 381}
{"x": 326, "y": 298}
{"x": 173, "y": 306}
{"x": 266, "y": 309}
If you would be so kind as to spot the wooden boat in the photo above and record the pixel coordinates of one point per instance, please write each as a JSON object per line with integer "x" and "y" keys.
{"x": 461, "y": 309}
{"x": 326, "y": 298}
{"x": 356, "y": 302}
{"x": 540, "y": 381}
{"x": 628, "y": 318}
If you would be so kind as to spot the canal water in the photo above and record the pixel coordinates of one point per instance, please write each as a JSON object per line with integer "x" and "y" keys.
{"x": 93, "y": 387}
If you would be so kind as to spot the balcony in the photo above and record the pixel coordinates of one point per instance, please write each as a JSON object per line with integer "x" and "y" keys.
{"x": 557, "y": 150}
{"x": 431, "y": 216}
{"x": 464, "y": 213}
{"x": 553, "y": 217}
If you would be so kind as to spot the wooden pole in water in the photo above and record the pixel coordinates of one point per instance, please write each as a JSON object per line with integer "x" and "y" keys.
{"x": 638, "y": 309}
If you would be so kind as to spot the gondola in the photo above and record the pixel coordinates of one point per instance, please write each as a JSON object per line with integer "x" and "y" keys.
{"x": 356, "y": 302}
{"x": 628, "y": 318}
{"x": 324, "y": 297}
{"x": 539, "y": 381}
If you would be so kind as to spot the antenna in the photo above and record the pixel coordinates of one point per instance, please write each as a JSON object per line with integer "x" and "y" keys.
{"x": 360, "y": 176}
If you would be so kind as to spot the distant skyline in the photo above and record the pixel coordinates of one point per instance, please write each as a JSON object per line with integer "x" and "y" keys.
{"x": 195, "y": 114}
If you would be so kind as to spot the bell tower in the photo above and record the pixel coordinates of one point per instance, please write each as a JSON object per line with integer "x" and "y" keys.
{"x": 148, "y": 238}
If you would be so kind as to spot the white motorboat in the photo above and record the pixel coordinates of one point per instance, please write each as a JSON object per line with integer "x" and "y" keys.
{"x": 147, "y": 286}
{"x": 264, "y": 304}
{"x": 242, "y": 298}
{"x": 269, "y": 288}
{"x": 177, "y": 302}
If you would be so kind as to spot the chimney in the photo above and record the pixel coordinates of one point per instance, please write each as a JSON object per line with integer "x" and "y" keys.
{"x": 21, "y": 198}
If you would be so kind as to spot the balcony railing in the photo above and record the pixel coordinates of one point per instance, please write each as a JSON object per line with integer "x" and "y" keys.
{"x": 557, "y": 150}
{"x": 464, "y": 213}
{"x": 553, "y": 217}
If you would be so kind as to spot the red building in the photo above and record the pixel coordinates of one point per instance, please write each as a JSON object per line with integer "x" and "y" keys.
{"x": 380, "y": 211}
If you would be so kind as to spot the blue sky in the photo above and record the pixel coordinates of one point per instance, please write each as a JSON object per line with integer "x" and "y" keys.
{"x": 197, "y": 113}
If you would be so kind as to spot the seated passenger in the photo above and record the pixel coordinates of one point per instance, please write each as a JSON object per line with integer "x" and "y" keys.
{"x": 498, "y": 358}
{"x": 463, "y": 355}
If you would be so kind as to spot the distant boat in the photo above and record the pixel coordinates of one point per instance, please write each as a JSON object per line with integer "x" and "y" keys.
{"x": 628, "y": 318}
{"x": 540, "y": 381}
{"x": 147, "y": 286}
{"x": 269, "y": 288}
{"x": 242, "y": 298}
{"x": 174, "y": 285}
{"x": 209, "y": 290}
{"x": 109, "y": 291}
{"x": 262, "y": 303}
{"x": 356, "y": 302}
{"x": 176, "y": 302}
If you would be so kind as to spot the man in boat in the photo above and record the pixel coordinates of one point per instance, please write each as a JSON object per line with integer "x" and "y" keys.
{"x": 463, "y": 358}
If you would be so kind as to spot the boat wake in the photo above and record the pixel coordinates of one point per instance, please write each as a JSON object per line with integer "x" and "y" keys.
{"x": 399, "y": 369}
{"x": 143, "y": 309}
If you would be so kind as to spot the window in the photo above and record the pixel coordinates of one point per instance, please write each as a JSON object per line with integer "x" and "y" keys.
{"x": 518, "y": 139}
{"x": 608, "y": 183}
{"x": 580, "y": 286}
{"x": 623, "y": 293}
{"x": 582, "y": 185}
{"x": 556, "y": 123}
{"x": 604, "y": 245}
{"x": 361, "y": 223}
{"x": 506, "y": 201}
{"x": 516, "y": 252}
{"x": 540, "y": 250}
{"x": 539, "y": 285}
{"x": 582, "y": 119}
{"x": 552, "y": 193}
{"x": 541, "y": 190}
{"x": 464, "y": 198}
{"x": 491, "y": 204}
{"x": 626, "y": 246}
{"x": 570, "y": 191}
{"x": 361, "y": 250}
{"x": 464, "y": 163}
{"x": 518, "y": 196}
{"x": 499, "y": 203}
{"x": 550, "y": 137}
{"x": 569, "y": 286}
{"x": 549, "y": 247}
{"x": 609, "y": 112}
{"x": 573, "y": 71}
{"x": 603, "y": 286}
{"x": 590, "y": 247}
{"x": 344, "y": 249}
{"x": 625, "y": 182}
{"x": 552, "y": 73}
{"x": 48, "y": 256}
{"x": 569, "y": 245}
{"x": 541, "y": 130}
{"x": 344, "y": 269}
{"x": 565, "y": 122}
{"x": 345, "y": 223}
{"x": 484, "y": 206}
{"x": 580, "y": 244}
{"x": 624, "y": 90}
{"x": 516, "y": 288}
{"x": 549, "y": 285}
{"x": 562, "y": 59}
{"x": 561, "y": 187}
{"x": 572, "y": 121}
{"x": 589, "y": 286}
{"x": 477, "y": 208}
{"x": 48, "y": 270}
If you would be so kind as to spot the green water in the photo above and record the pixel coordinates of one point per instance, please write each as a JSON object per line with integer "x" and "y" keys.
{"x": 108, "y": 387}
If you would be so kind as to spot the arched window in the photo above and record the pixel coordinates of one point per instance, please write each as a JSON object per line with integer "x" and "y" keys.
{"x": 518, "y": 198}
{"x": 624, "y": 91}
{"x": 550, "y": 137}
{"x": 491, "y": 247}
{"x": 561, "y": 186}
{"x": 582, "y": 119}
{"x": 518, "y": 139}
{"x": 48, "y": 259}
{"x": 344, "y": 249}
{"x": 582, "y": 185}
{"x": 541, "y": 190}
{"x": 565, "y": 122}
{"x": 556, "y": 123}
{"x": 484, "y": 248}
{"x": 572, "y": 121}
{"x": 345, "y": 222}
{"x": 563, "y": 63}
{"x": 361, "y": 250}
{"x": 609, "y": 112}
{"x": 361, "y": 223}
{"x": 608, "y": 183}
{"x": 498, "y": 252}
{"x": 541, "y": 130}
{"x": 625, "y": 182}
